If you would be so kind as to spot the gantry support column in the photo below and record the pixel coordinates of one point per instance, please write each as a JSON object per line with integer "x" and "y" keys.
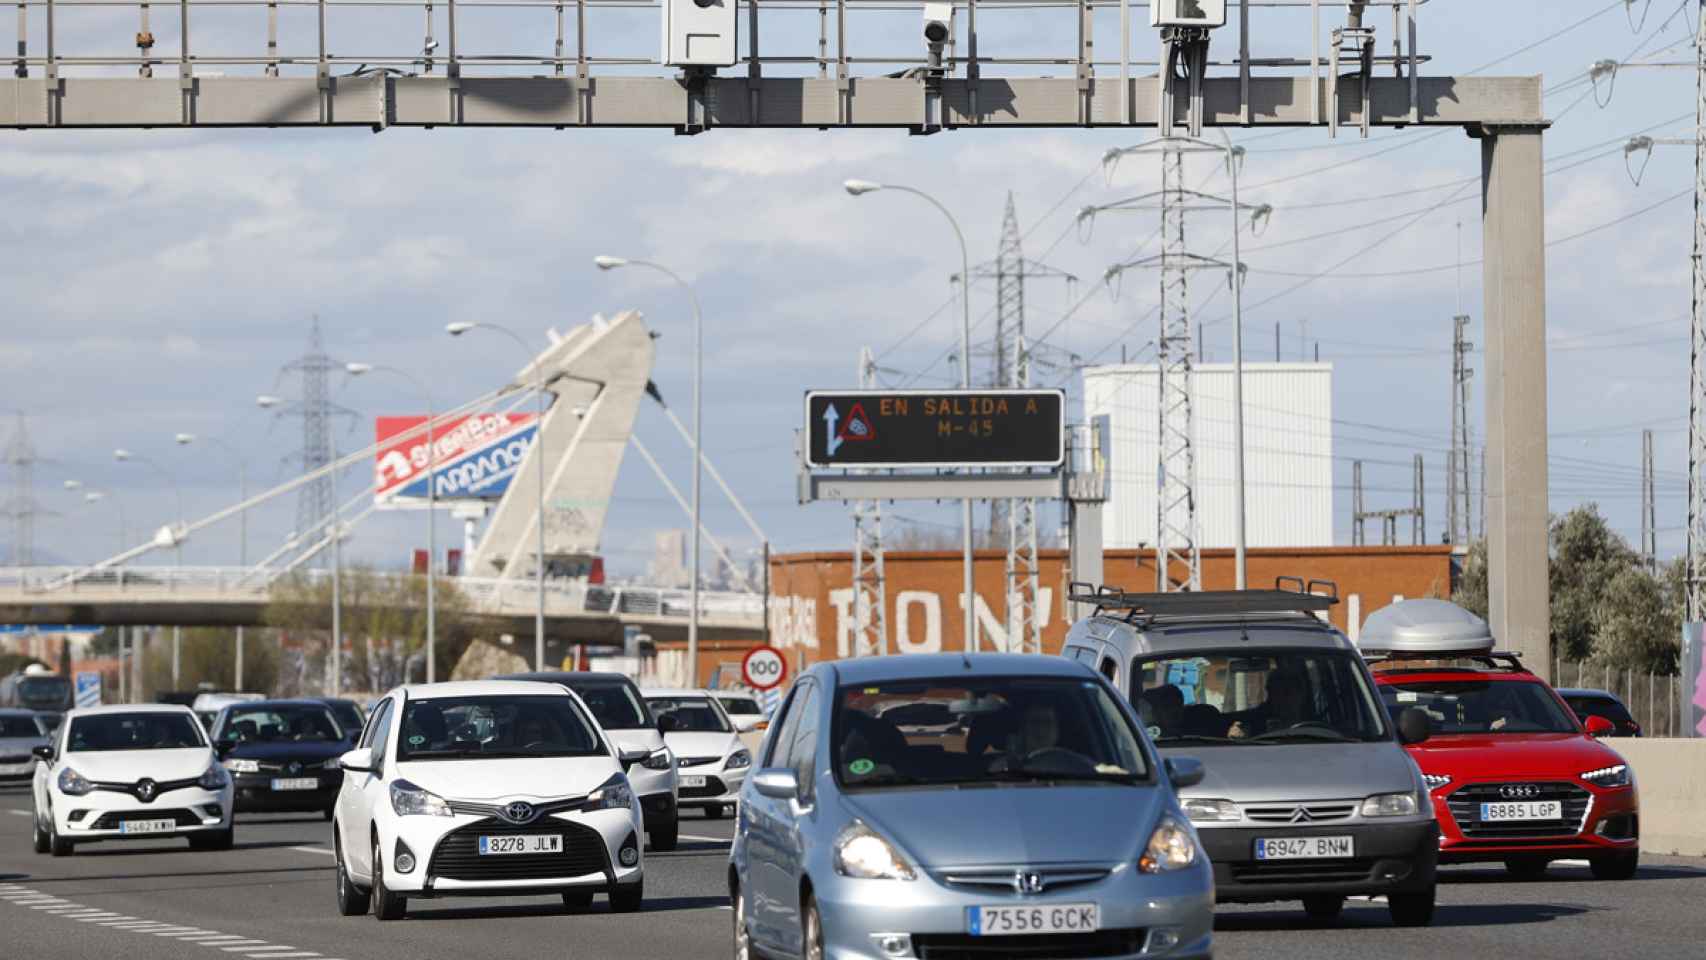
{"x": 1514, "y": 296}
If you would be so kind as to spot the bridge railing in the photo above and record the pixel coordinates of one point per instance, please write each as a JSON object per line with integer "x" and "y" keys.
{"x": 494, "y": 596}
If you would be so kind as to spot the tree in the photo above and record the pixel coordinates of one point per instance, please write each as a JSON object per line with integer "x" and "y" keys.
{"x": 207, "y": 655}
{"x": 1471, "y": 592}
{"x": 11, "y": 663}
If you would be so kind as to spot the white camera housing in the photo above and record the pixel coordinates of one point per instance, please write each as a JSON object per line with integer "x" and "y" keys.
{"x": 699, "y": 33}
{"x": 938, "y": 23}
{"x": 1187, "y": 13}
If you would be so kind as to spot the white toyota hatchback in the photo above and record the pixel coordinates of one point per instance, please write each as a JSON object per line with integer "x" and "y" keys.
{"x": 130, "y": 772}
{"x": 483, "y": 788}
{"x": 709, "y": 755}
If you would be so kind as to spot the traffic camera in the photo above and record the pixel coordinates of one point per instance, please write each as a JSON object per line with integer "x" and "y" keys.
{"x": 1187, "y": 13}
{"x": 699, "y": 33}
{"x": 938, "y": 27}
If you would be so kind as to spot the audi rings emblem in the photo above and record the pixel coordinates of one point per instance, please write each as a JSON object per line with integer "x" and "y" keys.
{"x": 520, "y": 811}
{"x": 1519, "y": 791}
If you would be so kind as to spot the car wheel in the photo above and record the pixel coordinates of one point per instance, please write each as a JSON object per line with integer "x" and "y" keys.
{"x": 666, "y": 836}
{"x": 577, "y": 899}
{"x": 1619, "y": 866}
{"x": 386, "y": 905}
{"x": 1411, "y": 909}
{"x": 1323, "y": 907}
{"x": 1527, "y": 868}
{"x": 628, "y": 897}
{"x": 812, "y": 928}
{"x": 352, "y": 900}
{"x": 39, "y": 838}
{"x": 57, "y": 845}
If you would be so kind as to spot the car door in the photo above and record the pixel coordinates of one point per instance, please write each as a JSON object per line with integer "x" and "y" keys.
{"x": 802, "y": 818}
{"x": 768, "y": 821}
{"x": 361, "y": 790}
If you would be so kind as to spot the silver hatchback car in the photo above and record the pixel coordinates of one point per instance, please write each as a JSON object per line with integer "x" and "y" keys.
{"x": 1040, "y": 821}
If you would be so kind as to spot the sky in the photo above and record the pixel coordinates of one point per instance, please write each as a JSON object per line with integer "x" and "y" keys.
{"x": 156, "y": 281}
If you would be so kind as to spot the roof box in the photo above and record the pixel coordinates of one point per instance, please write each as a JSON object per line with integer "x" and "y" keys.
{"x": 1426, "y": 628}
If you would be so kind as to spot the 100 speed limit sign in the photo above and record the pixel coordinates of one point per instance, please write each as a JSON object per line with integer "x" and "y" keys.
{"x": 764, "y": 668}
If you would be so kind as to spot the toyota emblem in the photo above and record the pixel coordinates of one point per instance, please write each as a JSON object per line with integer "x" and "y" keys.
{"x": 145, "y": 790}
{"x": 1027, "y": 882}
{"x": 1519, "y": 791}
{"x": 519, "y": 811}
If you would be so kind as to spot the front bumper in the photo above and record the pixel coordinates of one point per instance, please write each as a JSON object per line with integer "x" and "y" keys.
{"x": 12, "y": 772}
{"x": 1397, "y": 857}
{"x": 255, "y": 793}
{"x": 1139, "y": 911}
{"x": 447, "y": 861}
{"x": 101, "y": 814}
{"x": 1609, "y": 822}
{"x": 721, "y": 786}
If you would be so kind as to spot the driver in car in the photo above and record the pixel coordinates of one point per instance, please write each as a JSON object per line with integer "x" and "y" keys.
{"x": 1287, "y": 706}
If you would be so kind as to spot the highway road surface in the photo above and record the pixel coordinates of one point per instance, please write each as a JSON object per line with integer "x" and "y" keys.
{"x": 270, "y": 898}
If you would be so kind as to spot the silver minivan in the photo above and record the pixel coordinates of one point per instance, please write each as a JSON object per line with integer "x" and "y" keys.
{"x": 1309, "y": 794}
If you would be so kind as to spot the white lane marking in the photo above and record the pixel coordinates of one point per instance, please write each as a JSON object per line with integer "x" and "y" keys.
{"x": 284, "y": 956}
{"x": 325, "y": 851}
{"x": 209, "y": 939}
{"x": 181, "y": 932}
{"x": 263, "y": 952}
{"x": 103, "y": 915}
{"x": 225, "y": 942}
{"x": 689, "y": 836}
{"x": 240, "y": 944}
{"x": 21, "y": 813}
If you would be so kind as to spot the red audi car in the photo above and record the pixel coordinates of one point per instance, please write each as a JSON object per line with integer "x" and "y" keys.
{"x": 1514, "y": 775}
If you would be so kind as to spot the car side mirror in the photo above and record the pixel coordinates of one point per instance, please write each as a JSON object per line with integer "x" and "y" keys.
{"x": 359, "y": 761}
{"x": 629, "y": 757}
{"x": 1414, "y": 726}
{"x": 747, "y": 726}
{"x": 45, "y": 752}
{"x": 777, "y": 783}
{"x": 1184, "y": 771}
{"x": 668, "y": 724}
{"x": 1598, "y": 726}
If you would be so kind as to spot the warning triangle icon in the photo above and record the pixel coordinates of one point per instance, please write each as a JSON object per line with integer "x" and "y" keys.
{"x": 858, "y": 425}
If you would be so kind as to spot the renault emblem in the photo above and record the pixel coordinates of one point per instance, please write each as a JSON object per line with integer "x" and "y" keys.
{"x": 145, "y": 790}
{"x": 519, "y": 811}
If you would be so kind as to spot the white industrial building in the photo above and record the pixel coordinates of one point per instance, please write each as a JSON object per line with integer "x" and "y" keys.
{"x": 1288, "y": 448}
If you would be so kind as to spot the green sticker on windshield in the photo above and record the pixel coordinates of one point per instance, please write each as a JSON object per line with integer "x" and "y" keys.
{"x": 1154, "y": 733}
{"x": 416, "y": 740}
{"x": 861, "y": 766}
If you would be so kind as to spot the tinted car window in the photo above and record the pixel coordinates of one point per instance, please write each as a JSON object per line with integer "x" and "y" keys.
{"x": 692, "y": 714}
{"x": 1257, "y": 696}
{"x": 134, "y": 731}
{"x": 1599, "y": 707}
{"x": 349, "y": 718}
{"x": 495, "y": 726}
{"x": 19, "y": 727}
{"x": 615, "y": 705}
{"x": 742, "y": 705}
{"x": 279, "y": 724}
{"x": 782, "y": 739}
{"x": 375, "y": 723}
{"x": 803, "y": 753}
{"x": 1482, "y": 706}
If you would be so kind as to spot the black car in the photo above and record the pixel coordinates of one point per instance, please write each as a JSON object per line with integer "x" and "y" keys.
{"x": 282, "y": 755}
{"x": 348, "y": 714}
{"x": 1599, "y": 703}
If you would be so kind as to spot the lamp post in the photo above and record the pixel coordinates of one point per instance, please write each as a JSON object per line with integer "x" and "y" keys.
{"x": 122, "y": 456}
{"x": 361, "y": 369}
{"x": 92, "y": 497}
{"x": 612, "y": 263}
{"x": 456, "y": 330}
{"x": 184, "y": 440}
{"x": 1240, "y": 546}
{"x": 859, "y": 188}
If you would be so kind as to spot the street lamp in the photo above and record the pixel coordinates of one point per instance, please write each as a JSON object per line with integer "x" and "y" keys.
{"x": 457, "y": 329}
{"x": 184, "y": 440}
{"x": 122, "y": 456}
{"x": 612, "y": 263}
{"x": 360, "y": 369}
{"x": 860, "y": 188}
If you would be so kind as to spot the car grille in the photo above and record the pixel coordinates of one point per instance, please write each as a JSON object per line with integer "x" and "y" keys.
{"x": 1064, "y": 946}
{"x": 1299, "y": 812}
{"x": 14, "y": 758}
{"x": 305, "y": 766}
{"x": 695, "y": 761}
{"x": 111, "y": 819}
{"x": 1001, "y": 878}
{"x": 160, "y": 788}
{"x": 713, "y": 787}
{"x": 1465, "y": 805}
{"x": 1302, "y": 871}
{"x": 457, "y": 856}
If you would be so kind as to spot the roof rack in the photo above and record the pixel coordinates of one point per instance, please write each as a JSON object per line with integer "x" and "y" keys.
{"x": 1504, "y": 661}
{"x": 1205, "y": 603}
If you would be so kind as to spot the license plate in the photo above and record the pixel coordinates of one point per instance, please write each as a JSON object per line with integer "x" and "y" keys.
{"x": 1006, "y": 921}
{"x": 296, "y": 783}
{"x": 692, "y": 781}
{"x": 1305, "y": 848}
{"x": 1525, "y": 810}
{"x": 522, "y": 843}
{"x": 147, "y": 826}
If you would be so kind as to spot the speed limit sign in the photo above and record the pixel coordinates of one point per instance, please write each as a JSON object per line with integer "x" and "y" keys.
{"x": 764, "y": 668}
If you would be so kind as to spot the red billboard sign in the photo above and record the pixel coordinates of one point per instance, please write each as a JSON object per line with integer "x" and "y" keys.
{"x": 476, "y": 455}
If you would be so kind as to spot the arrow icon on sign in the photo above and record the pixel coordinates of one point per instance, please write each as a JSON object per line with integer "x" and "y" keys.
{"x": 830, "y": 417}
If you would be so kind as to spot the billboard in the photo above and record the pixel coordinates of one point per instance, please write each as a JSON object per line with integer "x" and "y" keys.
{"x": 476, "y": 457}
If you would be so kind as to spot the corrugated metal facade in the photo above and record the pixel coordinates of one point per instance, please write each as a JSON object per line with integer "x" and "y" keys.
{"x": 1288, "y": 447}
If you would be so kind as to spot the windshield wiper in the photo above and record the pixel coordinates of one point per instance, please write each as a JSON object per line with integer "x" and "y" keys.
{"x": 1197, "y": 738}
{"x": 1306, "y": 733}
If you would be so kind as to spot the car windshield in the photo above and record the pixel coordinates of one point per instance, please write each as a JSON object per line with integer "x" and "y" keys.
{"x": 1481, "y": 706}
{"x": 615, "y": 706}
{"x": 134, "y": 731}
{"x": 280, "y": 723}
{"x": 1265, "y": 697}
{"x": 16, "y": 726}
{"x": 692, "y": 714}
{"x": 451, "y": 728}
{"x": 348, "y": 716}
{"x": 741, "y": 705}
{"x": 1588, "y": 705}
{"x": 44, "y": 690}
{"x": 1005, "y": 729}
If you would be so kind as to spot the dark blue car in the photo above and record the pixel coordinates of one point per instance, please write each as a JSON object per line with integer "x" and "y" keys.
{"x": 282, "y": 755}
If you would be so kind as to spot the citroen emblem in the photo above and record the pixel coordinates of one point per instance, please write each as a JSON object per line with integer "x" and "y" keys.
{"x": 1027, "y": 882}
{"x": 520, "y": 811}
{"x": 145, "y": 790}
{"x": 1301, "y": 815}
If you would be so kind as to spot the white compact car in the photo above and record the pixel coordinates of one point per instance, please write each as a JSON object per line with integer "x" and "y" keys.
{"x": 482, "y": 788}
{"x": 21, "y": 732}
{"x": 709, "y": 756}
{"x": 130, "y": 772}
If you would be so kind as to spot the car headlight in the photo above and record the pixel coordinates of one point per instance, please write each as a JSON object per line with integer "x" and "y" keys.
{"x": 1614, "y": 776}
{"x": 613, "y": 794}
{"x": 1436, "y": 780}
{"x": 1390, "y": 805}
{"x": 1171, "y": 847}
{"x": 412, "y": 801}
{"x": 213, "y": 778}
{"x": 73, "y": 784}
{"x": 243, "y": 766}
{"x": 862, "y": 853}
{"x": 659, "y": 760}
{"x": 738, "y": 760}
{"x": 1211, "y": 811}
